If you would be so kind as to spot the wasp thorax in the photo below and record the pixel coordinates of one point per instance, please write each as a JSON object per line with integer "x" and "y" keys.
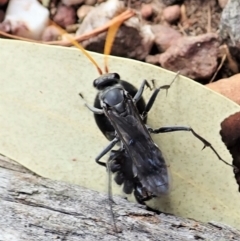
{"x": 113, "y": 97}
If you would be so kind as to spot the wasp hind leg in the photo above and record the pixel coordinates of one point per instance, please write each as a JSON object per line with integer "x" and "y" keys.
{"x": 106, "y": 150}
{"x": 141, "y": 194}
{"x": 186, "y": 128}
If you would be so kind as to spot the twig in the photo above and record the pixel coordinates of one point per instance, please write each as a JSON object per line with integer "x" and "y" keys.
{"x": 183, "y": 17}
{"x": 209, "y": 19}
{"x": 219, "y": 67}
{"x": 122, "y": 17}
{"x": 182, "y": 29}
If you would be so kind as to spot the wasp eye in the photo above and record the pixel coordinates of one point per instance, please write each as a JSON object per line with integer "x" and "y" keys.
{"x": 95, "y": 83}
{"x": 116, "y": 76}
{"x": 106, "y": 80}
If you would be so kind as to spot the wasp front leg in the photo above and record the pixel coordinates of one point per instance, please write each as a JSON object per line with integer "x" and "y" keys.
{"x": 155, "y": 94}
{"x": 139, "y": 93}
{"x": 91, "y": 108}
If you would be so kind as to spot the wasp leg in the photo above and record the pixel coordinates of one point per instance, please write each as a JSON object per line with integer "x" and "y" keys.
{"x": 155, "y": 93}
{"x": 141, "y": 194}
{"x": 186, "y": 128}
{"x": 139, "y": 93}
{"x": 108, "y": 165}
{"x": 91, "y": 108}
{"x": 94, "y": 110}
{"x": 106, "y": 150}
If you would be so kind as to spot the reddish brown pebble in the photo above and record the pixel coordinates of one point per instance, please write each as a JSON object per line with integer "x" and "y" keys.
{"x": 230, "y": 132}
{"x": 72, "y": 2}
{"x": 229, "y": 87}
{"x": 231, "y": 129}
{"x": 3, "y": 2}
{"x": 196, "y": 57}
{"x": 134, "y": 39}
{"x": 90, "y": 2}
{"x": 6, "y": 27}
{"x": 164, "y": 36}
{"x": 50, "y": 33}
{"x": 172, "y": 13}
{"x": 146, "y": 11}
{"x": 152, "y": 59}
{"x": 65, "y": 16}
{"x": 2, "y": 15}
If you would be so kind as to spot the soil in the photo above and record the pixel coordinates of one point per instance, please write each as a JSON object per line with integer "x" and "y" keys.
{"x": 197, "y": 17}
{"x": 203, "y": 16}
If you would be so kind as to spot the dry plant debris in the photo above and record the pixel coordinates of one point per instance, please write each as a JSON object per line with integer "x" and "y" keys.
{"x": 154, "y": 34}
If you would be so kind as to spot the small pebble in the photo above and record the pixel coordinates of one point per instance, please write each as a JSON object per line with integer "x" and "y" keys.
{"x": 27, "y": 18}
{"x": 83, "y": 11}
{"x": 222, "y": 3}
{"x": 72, "y": 2}
{"x": 172, "y": 2}
{"x": 165, "y": 36}
{"x": 195, "y": 56}
{"x": 2, "y": 15}
{"x": 152, "y": 59}
{"x": 229, "y": 87}
{"x": 90, "y": 2}
{"x": 6, "y": 27}
{"x": 133, "y": 40}
{"x": 146, "y": 11}
{"x": 172, "y": 13}
{"x": 64, "y": 16}
{"x": 3, "y": 2}
{"x": 51, "y": 33}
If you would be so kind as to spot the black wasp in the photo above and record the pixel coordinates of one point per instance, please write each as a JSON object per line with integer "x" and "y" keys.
{"x": 120, "y": 114}
{"x": 139, "y": 164}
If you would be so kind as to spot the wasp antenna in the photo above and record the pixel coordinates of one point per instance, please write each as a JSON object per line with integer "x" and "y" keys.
{"x": 77, "y": 45}
{"x": 109, "y": 42}
{"x": 112, "y": 30}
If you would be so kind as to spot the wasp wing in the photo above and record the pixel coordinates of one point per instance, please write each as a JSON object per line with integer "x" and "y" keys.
{"x": 148, "y": 162}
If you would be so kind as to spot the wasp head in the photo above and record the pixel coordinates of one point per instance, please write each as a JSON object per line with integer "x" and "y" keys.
{"x": 106, "y": 80}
